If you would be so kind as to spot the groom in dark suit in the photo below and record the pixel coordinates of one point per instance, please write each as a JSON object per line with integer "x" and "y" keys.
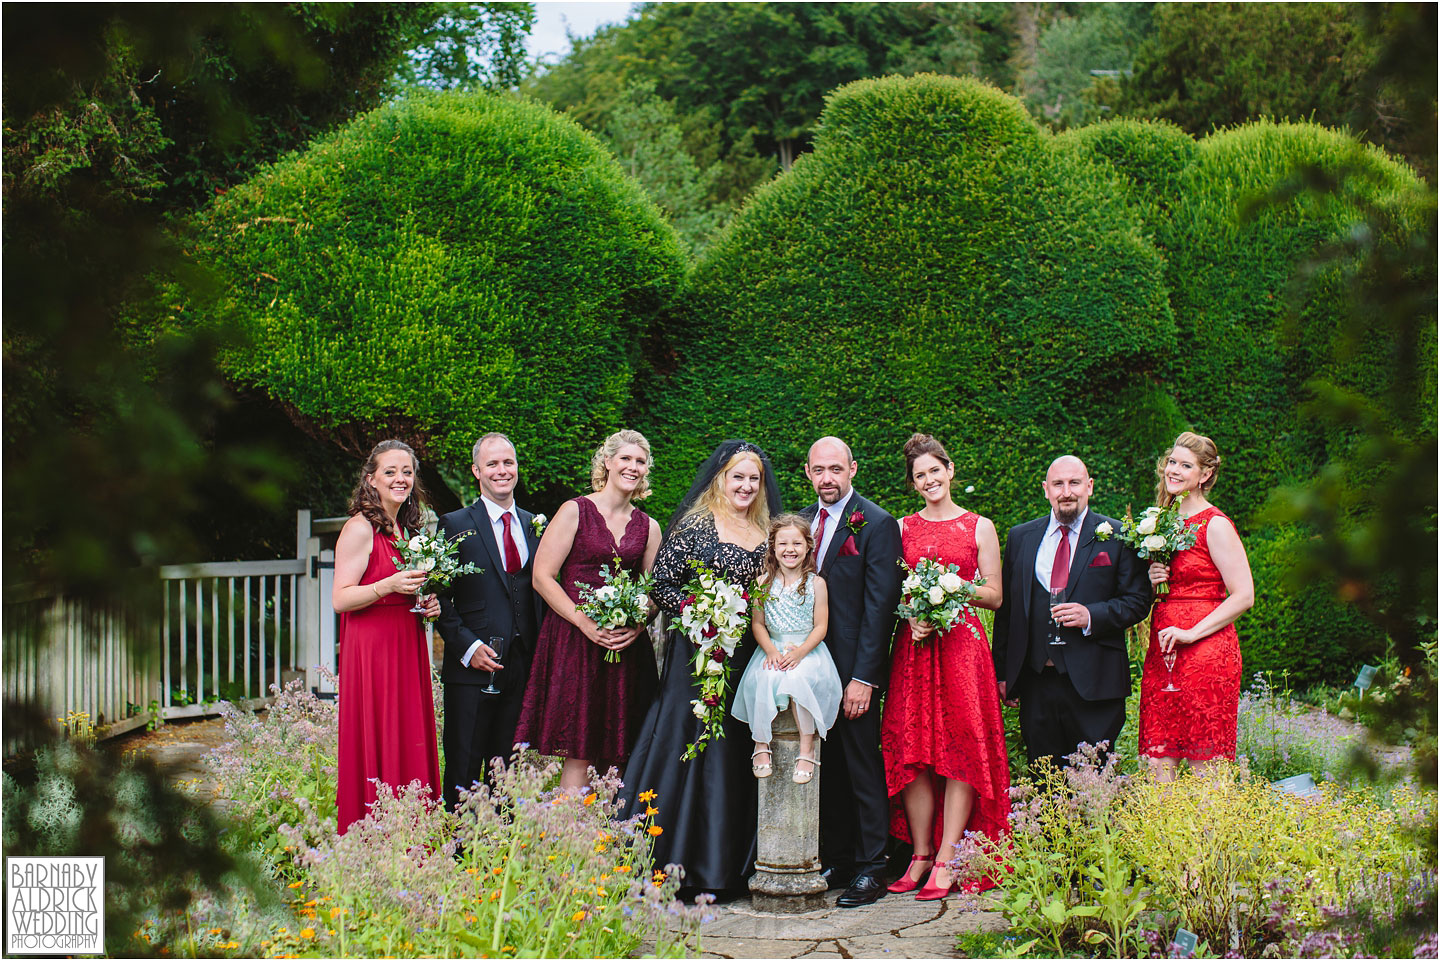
{"x": 497, "y": 602}
{"x": 1076, "y": 691}
{"x": 857, "y": 545}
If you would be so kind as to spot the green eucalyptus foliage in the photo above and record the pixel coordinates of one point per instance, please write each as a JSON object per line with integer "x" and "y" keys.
{"x": 442, "y": 267}
{"x": 938, "y": 263}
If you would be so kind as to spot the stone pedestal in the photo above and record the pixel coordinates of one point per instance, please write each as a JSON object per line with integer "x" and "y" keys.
{"x": 787, "y": 861}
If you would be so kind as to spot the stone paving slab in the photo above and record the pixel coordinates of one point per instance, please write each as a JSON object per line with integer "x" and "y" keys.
{"x": 896, "y": 926}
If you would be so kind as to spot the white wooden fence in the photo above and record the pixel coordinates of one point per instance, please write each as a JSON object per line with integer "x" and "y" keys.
{"x": 227, "y": 631}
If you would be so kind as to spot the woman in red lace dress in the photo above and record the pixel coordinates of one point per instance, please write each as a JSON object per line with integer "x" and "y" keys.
{"x": 387, "y": 715}
{"x": 942, "y": 736}
{"x": 1210, "y": 586}
{"x": 578, "y": 705}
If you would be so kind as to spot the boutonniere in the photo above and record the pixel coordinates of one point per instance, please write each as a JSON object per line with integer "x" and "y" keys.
{"x": 538, "y": 523}
{"x": 1103, "y": 531}
{"x": 856, "y": 521}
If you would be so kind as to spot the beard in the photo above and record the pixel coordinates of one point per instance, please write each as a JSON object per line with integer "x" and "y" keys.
{"x": 831, "y": 496}
{"x": 1067, "y": 515}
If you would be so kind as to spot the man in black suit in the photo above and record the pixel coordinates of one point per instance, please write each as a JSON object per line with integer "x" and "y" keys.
{"x": 497, "y": 602}
{"x": 857, "y": 545}
{"x": 1076, "y": 691}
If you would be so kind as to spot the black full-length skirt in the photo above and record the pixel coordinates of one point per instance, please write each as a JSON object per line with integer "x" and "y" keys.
{"x": 706, "y": 805}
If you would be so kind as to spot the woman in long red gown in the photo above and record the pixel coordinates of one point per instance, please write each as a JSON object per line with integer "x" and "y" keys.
{"x": 1210, "y": 586}
{"x": 387, "y": 714}
{"x": 942, "y": 735}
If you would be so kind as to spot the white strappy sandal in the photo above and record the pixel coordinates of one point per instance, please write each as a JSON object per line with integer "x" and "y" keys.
{"x": 803, "y": 777}
{"x": 758, "y": 769}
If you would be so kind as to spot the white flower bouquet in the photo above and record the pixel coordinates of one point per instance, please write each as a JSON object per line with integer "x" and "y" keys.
{"x": 714, "y": 617}
{"x": 1159, "y": 534}
{"x": 935, "y": 593}
{"x": 621, "y": 600}
{"x": 434, "y": 555}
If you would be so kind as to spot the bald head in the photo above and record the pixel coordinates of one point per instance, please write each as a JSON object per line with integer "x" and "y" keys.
{"x": 830, "y": 467}
{"x": 1068, "y": 488}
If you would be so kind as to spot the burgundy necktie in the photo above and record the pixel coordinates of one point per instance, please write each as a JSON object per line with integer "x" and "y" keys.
{"x": 1060, "y": 571}
{"x": 512, "y": 553}
{"x": 820, "y": 538}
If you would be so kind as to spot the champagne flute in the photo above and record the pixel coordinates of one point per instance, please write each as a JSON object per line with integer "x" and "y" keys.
{"x": 1057, "y": 597}
{"x": 419, "y": 592}
{"x": 497, "y": 644}
{"x": 1169, "y": 660}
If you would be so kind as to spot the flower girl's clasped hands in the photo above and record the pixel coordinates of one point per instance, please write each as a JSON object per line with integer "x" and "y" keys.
{"x": 791, "y": 666}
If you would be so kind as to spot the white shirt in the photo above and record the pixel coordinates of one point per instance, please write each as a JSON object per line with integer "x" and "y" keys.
{"x": 497, "y": 530}
{"x": 1050, "y": 543}
{"x": 836, "y": 521}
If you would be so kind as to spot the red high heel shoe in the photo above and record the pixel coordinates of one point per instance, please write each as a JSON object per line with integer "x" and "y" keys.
{"x": 933, "y": 892}
{"x": 905, "y": 885}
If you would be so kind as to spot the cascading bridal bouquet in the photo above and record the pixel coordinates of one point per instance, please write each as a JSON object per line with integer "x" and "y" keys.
{"x": 935, "y": 593}
{"x": 714, "y": 617}
{"x": 435, "y": 556}
{"x": 1159, "y": 535}
{"x": 621, "y": 600}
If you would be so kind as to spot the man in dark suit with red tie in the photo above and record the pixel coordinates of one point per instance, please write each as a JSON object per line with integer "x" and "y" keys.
{"x": 857, "y": 545}
{"x": 498, "y": 602}
{"x": 1074, "y": 691}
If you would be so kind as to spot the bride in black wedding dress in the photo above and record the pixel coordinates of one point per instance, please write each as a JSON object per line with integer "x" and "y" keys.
{"x": 706, "y": 806}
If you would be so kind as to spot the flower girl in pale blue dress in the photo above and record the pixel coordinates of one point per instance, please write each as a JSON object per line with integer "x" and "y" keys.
{"x": 791, "y": 666}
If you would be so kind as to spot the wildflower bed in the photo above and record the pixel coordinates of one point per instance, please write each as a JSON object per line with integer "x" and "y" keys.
{"x": 521, "y": 869}
{"x": 1112, "y": 864}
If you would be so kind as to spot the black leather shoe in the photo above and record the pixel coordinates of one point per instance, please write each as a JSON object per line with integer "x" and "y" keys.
{"x": 865, "y": 889}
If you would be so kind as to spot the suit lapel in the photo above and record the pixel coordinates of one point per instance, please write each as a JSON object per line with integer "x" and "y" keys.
{"x": 531, "y": 541}
{"x": 483, "y": 530}
{"x": 1029, "y": 546}
{"x": 836, "y": 522}
{"x": 1084, "y": 551}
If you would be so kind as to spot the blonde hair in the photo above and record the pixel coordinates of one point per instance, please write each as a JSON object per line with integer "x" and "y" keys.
{"x": 1206, "y": 456}
{"x": 600, "y": 474}
{"x": 770, "y": 569}
{"x": 714, "y": 495}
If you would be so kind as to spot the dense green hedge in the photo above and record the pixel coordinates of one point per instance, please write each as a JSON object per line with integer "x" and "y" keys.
{"x": 1250, "y": 338}
{"x": 442, "y": 267}
{"x": 941, "y": 263}
{"x": 936, "y": 263}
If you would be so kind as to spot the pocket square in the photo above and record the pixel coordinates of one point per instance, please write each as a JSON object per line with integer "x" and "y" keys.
{"x": 848, "y": 548}
{"x": 1101, "y": 560}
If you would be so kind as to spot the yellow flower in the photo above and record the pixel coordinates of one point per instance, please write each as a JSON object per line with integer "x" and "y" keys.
{"x": 622, "y": 869}
{"x": 578, "y": 916}
{"x": 470, "y": 917}
{"x": 659, "y": 877}
{"x": 307, "y": 932}
{"x": 334, "y": 912}
{"x": 589, "y": 799}
{"x": 654, "y": 830}
{"x": 296, "y": 884}
{"x": 647, "y": 796}
{"x": 650, "y": 812}
{"x": 494, "y": 895}
{"x": 472, "y": 870}
{"x": 496, "y": 869}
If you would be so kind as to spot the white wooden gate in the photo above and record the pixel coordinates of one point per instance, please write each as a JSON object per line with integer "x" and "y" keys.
{"x": 227, "y": 631}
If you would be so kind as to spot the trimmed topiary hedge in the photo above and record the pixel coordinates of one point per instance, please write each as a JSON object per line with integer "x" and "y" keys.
{"x": 940, "y": 263}
{"x": 1251, "y": 339}
{"x": 445, "y": 266}
{"x": 936, "y": 263}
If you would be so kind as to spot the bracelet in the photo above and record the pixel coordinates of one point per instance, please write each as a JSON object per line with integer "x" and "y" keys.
{"x": 378, "y": 595}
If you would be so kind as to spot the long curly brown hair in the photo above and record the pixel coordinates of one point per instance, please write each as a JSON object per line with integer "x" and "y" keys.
{"x": 770, "y": 569}
{"x": 364, "y": 500}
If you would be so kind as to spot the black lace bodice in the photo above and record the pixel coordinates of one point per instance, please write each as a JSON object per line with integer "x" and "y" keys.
{"x": 699, "y": 539}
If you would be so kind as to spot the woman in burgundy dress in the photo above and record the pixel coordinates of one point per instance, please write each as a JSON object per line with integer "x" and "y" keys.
{"x": 942, "y": 735}
{"x": 387, "y": 715}
{"x": 578, "y": 705}
{"x": 1210, "y": 586}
